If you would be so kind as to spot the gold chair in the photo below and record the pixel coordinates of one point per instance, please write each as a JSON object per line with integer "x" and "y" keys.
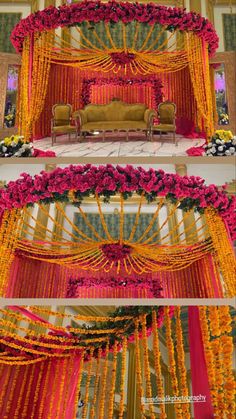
{"x": 61, "y": 121}
{"x": 166, "y": 116}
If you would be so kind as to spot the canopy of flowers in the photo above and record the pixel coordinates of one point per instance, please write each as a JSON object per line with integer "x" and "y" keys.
{"x": 108, "y": 180}
{"x": 112, "y": 11}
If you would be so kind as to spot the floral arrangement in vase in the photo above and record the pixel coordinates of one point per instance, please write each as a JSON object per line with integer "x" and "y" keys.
{"x": 223, "y": 143}
{"x": 15, "y": 146}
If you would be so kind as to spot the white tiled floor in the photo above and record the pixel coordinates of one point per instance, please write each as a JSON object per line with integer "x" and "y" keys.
{"x": 119, "y": 147}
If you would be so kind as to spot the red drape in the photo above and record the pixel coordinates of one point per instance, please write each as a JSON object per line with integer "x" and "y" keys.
{"x": 46, "y": 389}
{"x": 200, "y": 384}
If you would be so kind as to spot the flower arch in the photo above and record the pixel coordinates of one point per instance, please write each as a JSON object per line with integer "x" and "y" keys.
{"x": 96, "y": 250}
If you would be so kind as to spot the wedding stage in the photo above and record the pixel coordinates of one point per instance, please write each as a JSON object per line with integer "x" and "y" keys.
{"x": 93, "y": 52}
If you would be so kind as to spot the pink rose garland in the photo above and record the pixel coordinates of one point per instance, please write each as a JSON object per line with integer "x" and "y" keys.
{"x": 108, "y": 180}
{"x": 112, "y": 11}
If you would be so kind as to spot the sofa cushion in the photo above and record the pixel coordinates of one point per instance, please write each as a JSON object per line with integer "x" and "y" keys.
{"x": 112, "y": 125}
{"x": 164, "y": 127}
{"x": 64, "y": 128}
{"x": 95, "y": 113}
{"x": 135, "y": 113}
{"x": 115, "y": 111}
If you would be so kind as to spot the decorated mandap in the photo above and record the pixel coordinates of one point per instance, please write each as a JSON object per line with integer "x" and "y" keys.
{"x": 50, "y": 370}
{"x": 93, "y": 51}
{"x": 112, "y": 231}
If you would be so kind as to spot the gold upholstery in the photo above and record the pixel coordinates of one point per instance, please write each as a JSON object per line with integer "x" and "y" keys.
{"x": 166, "y": 116}
{"x": 61, "y": 121}
{"x": 116, "y": 115}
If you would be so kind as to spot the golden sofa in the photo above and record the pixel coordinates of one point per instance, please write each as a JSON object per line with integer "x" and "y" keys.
{"x": 115, "y": 116}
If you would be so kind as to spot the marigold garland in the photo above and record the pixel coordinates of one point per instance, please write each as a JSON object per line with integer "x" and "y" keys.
{"x": 157, "y": 364}
{"x": 181, "y": 363}
{"x": 210, "y": 361}
{"x": 147, "y": 372}
{"x": 172, "y": 363}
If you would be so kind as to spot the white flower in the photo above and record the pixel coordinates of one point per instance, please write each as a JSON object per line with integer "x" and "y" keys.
{"x": 232, "y": 149}
{"x": 13, "y": 144}
{"x": 227, "y": 153}
{"x": 4, "y": 149}
{"x": 17, "y": 154}
{"x": 218, "y": 141}
{"x": 221, "y": 148}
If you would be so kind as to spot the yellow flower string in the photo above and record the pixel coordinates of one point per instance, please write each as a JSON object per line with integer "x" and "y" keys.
{"x": 87, "y": 388}
{"x": 223, "y": 249}
{"x": 122, "y": 382}
{"x": 157, "y": 364}
{"x": 11, "y": 222}
{"x": 209, "y": 356}
{"x": 104, "y": 384}
{"x": 139, "y": 370}
{"x": 146, "y": 365}
{"x": 31, "y": 370}
{"x": 181, "y": 363}
{"x": 96, "y": 384}
{"x": 172, "y": 364}
{"x": 227, "y": 345}
{"x": 113, "y": 383}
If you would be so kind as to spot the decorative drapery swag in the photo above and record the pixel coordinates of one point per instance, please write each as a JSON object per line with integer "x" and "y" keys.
{"x": 169, "y": 233}
{"x": 54, "y": 371}
{"x": 125, "y": 39}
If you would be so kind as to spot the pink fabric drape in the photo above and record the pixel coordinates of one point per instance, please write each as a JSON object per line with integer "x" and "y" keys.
{"x": 47, "y": 389}
{"x": 200, "y": 384}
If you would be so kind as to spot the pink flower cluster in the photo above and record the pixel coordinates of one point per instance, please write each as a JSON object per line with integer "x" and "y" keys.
{"x": 116, "y": 251}
{"x": 112, "y": 11}
{"x": 109, "y": 180}
{"x": 136, "y": 282}
{"x": 122, "y": 58}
